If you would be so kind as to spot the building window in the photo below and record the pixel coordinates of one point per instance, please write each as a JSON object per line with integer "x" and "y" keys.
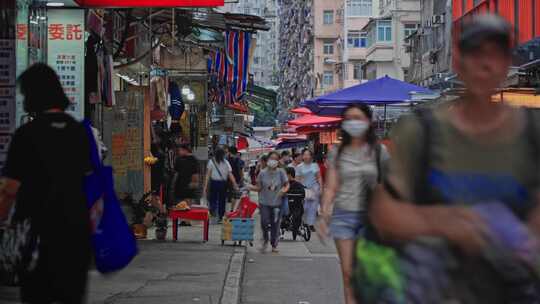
{"x": 409, "y": 29}
{"x": 405, "y": 73}
{"x": 384, "y": 30}
{"x": 328, "y": 79}
{"x": 328, "y": 17}
{"x": 357, "y": 71}
{"x": 328, "y": 48}
{"x": 356, "y": 39}
{"x": 246, "y": 10}
{"x": 359, "y": 8}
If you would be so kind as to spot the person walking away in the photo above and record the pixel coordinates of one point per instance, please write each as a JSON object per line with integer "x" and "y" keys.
{"x": 461, "y": 157}
{"x": 309, "y": 175}
{"x": 297, "y": 194}
{"x": 237, "y": 166}
{"x": 218, "y": 172}
{"x": 321, "y": 162}
{"x": 296, "y": 161}
{"x": 352, "y": 175}
{"x": 186, "y": 179}
{"x": 285, "y": 159}
{"x": 47, "y": 161}
{"x": 272, "y": 184}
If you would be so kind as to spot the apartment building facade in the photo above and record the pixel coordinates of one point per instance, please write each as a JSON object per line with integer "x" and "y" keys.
{"x": 264, "y": 66}
{"x": 295, "y": 61}
{"x": 387, "y": 51}
{"x": 430, "y": 47}
{"x": 339, "y": 42}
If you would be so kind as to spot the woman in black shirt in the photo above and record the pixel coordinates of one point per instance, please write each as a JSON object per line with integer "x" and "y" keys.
{"x": 46, "y": 164}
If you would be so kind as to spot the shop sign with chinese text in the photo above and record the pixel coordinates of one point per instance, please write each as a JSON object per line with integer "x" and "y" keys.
{"x": 66, "y": 54}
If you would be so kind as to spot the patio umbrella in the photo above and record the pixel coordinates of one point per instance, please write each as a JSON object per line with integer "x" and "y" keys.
{"x": 310, "y": 120}
{"x": 382, "y": 91}
{"x": 302, "y": 111}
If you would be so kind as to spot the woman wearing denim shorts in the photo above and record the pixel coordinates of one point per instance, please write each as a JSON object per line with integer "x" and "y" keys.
{"x": 351, "y": 176}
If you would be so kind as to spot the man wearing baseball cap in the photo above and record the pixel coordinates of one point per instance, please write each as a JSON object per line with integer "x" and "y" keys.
{"x": 453, "y": 162}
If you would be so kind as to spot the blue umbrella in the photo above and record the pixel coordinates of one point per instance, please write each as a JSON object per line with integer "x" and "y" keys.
{"x": 380, "y": 91}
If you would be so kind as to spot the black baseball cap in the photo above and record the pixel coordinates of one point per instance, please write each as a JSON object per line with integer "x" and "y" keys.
{"x": 482, "y": 28}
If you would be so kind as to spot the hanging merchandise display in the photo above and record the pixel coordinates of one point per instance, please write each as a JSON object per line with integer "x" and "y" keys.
{"x": 159, "y": 92}
{"x": 177, "y": 107}
{"x": 229, "y": 68}
{"x": 105, "y": 72}
{"x": 194, "y": 128}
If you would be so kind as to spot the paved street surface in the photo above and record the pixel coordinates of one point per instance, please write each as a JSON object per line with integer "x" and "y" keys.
{"x": 189, "y": 271}
{"x": 301, "y": 273}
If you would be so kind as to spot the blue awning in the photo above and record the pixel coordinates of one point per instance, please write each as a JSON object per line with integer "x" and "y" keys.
{"x": 380, "y": 91}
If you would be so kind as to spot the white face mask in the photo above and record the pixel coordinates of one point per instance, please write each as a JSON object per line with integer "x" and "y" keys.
{"x": 273, "y": 163}
{"x": 355, "y": 128}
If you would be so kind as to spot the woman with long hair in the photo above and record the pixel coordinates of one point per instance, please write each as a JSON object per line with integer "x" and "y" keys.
{"x": 309, "y": 174}
{"x": 352, "y": 174}
{"x": 47, "y": 161}
{"x": 218, "y": 172}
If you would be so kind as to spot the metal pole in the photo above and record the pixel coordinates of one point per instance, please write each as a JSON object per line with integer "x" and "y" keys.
{"x": 384, "y": 124}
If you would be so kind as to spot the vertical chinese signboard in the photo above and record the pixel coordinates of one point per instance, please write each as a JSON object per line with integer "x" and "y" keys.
{"x": 22, "y": 35}
{"x": 7, "y": 75}
{"x": 66, "y": 54}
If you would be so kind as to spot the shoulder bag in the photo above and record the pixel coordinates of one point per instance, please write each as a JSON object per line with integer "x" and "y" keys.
{"x": 113, "y": 241}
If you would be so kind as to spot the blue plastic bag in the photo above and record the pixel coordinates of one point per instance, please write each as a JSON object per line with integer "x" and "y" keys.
{"x": 112, "y": 239}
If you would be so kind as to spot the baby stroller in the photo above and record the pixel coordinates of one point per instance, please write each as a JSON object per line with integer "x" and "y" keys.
{"x": 294, "y": 222}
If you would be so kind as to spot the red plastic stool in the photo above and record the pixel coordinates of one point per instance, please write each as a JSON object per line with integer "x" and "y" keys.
{"x": 190, "y": 215}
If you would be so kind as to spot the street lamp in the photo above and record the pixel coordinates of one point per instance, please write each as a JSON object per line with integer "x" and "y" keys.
{"x": 185, "y": 90}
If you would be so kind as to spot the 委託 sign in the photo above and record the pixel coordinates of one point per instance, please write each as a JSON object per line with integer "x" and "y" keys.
{"x": 66, "y": 54}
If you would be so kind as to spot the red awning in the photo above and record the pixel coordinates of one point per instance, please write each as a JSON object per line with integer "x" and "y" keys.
{"x": 303, "y": 111}
{"x": 149, "y": 3}
{"x": 242, "y": 143}
{"x": 310, "y": 120}
{"x": 306, "y": 130}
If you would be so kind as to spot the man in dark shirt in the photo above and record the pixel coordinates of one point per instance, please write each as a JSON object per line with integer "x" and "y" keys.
{"x": 187, "y": 174}
{"x": 237, "y": 165}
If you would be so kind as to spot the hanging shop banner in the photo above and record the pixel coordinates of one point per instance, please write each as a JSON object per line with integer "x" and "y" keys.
{"x": 22, "y": 34}
{"x": 150, "y": 3}
{"x": 329, "y": 137}
{"x": 66, "y": 54}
